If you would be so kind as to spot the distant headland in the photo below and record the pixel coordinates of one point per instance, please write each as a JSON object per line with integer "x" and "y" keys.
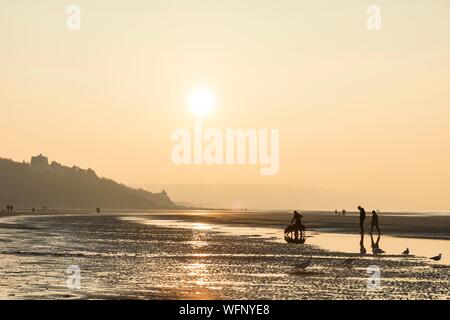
{"x": 52, "y": 185}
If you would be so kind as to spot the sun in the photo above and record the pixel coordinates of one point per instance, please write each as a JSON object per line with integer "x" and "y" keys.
{"x": 201, "y": 101}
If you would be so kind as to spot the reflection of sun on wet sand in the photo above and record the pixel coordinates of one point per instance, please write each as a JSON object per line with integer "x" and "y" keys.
{"x": 341, "y": 242}
{"x": 436, "y": 226}
{"x": 149, "y": 256}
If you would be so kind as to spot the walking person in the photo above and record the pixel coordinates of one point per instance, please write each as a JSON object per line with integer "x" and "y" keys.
{"x": 362, "y": 217}
{"x": 374, "y": 223}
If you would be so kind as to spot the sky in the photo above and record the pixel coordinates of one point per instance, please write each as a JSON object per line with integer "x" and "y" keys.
{"x": 358, "y": 110}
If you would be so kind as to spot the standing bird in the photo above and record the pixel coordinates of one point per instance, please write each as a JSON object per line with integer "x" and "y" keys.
{"x": 437, "y": 258}
{"x": 406, "y": 251}
{"x": 303, "y": 265}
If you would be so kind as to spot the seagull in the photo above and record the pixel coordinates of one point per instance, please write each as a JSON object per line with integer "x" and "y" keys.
{"x": 406, "y": 251}
{"x": 303, "y": 265}
{"x": 437, "y": 258}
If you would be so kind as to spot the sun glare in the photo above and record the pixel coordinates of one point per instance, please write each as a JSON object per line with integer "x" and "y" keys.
{"x": 202, "y": 101}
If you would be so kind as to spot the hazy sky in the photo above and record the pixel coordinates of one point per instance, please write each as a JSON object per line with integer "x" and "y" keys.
{"x": 357, "y": 109}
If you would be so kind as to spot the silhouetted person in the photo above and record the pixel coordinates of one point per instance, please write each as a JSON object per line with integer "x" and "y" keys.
{"x": 297, "y": 222}
{"x": 33, "y": 210}
{"x": 362, "y": 217}
{"x": 374, "y": 222}
{"x": 297, "y": 218}
{"x": 98, "y": 210}
{"x": 344, "y": 212}
{"x": 335, "y": 212}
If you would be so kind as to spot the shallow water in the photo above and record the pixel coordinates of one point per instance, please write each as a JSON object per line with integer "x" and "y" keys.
{"x": 347, "y": 243}
{"x": 350, "y": 243}
{"x": 123, "y": 257}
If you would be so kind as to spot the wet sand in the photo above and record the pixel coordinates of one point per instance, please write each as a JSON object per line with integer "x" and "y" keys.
{"x": 415, "y": 225}
{"x": 124, "y": 257}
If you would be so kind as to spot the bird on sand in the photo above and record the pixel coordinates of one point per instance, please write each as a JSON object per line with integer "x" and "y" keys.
{"x": 437, "y": 258}
{"x": 303, "y": 265}
{"x": 406, "y": 251}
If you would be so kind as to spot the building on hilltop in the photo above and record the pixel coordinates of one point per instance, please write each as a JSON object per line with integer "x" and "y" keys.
{"x": 39, "y": 161}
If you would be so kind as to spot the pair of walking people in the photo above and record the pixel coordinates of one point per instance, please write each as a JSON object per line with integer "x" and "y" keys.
{"x": 374, "y": 222}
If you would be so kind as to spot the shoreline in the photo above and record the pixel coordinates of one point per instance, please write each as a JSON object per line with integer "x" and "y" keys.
{"x": 420, "y": 226}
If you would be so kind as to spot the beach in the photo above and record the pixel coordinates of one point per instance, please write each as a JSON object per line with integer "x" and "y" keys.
{"x": 213, "y": 255}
